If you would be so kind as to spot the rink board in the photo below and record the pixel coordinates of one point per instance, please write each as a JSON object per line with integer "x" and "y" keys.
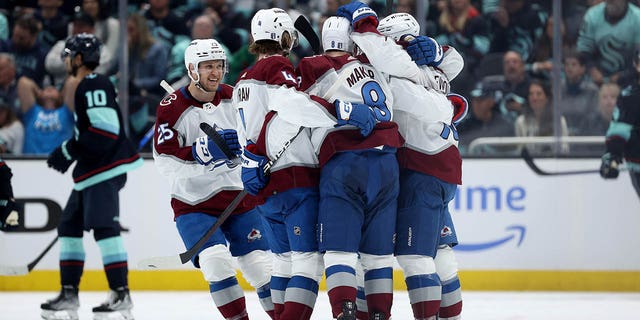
{"x": 517, "y": 230}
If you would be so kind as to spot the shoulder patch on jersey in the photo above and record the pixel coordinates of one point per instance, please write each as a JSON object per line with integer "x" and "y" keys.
{"x": 167, "y": 100}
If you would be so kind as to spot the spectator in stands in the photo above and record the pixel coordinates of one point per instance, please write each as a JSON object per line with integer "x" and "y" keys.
{"x": 597, "y": 123}
{"x": 461, "y": 26}
{"x": 536, "y": 119}
{"x": 579, "y": 94}
{"x": 484, "y": 120}
{"x": 203, "y": 28}
{"x": 540, "y": 63}
{"x": 407, "y": 6}
{"x": 609, "y": 35}
{"x": 232, "y": 27}
{"x": 54, "y": 22}
{"x": 516, "y": 25}
{"x": 107, "y": 28}
{"x": 516, "y": 82}
{"x": 11, "y": 131}
{"x": 148, "y": 63}
{"x": 29, "y": 54}
{"x": 47, "y": 121}
{"x": 165, "y": 25}
{"x": 8, "y": 82}
{"x": 82, "y": 23}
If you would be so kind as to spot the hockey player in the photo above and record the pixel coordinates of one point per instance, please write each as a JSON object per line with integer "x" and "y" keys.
{"x": 276, "y": 118}
{"x": 103, "y": 154}
{"x": 623, "y": 135}
{"x": 430, "y": 161}
{"x": 205, "y": 181}
{"x": 8, "y": 213}
{"x": 359, "y": 174}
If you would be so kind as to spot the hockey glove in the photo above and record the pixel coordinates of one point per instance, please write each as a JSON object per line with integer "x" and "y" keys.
{"x": 609, "y": 167}
{"x": 254, "y": 177}
{"x": 8, "y": 215}
{"x": 356, "y": 12}
{"x": 60, "y": 159}
{"x": 230, "y": 137}
{"x": 460, "y": 107}
{"x": 205, "y": 151}
{"x": 425, "y": 51}
{"x": 357, "y": 114}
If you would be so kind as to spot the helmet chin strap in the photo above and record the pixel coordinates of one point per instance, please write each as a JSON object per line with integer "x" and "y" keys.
{"x": 199, "y": 86}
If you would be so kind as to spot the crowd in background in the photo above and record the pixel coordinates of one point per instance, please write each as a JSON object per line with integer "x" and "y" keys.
{"x": 506, "y": 44}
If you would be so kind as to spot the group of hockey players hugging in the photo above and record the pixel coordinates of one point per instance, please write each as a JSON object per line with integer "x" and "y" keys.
{"x": 349, "y": 160}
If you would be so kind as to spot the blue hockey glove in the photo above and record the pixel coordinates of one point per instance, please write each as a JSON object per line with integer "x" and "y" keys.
{"x": 425, "y": 51}
{"x": 230, "y": 137}
{"x": 357, "y": 114}
{"x": 59, "y": 159}
{"x": 205, "y": 151}
{"x": 460, "y": 107}
{"x": 254, "y": 177}
{"x": 356, "y": 11}
{"x": 609, "y": 167}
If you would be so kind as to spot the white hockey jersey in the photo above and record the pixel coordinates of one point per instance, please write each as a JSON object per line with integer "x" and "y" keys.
{"x": 271, "y": 111}
{"x": 421, "y": 109}
{"x": 350, "y": 79}
{"x": 194, "y": 187}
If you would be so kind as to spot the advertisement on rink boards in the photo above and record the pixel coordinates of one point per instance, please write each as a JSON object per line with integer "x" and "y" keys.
{"x": 506, "y": 217}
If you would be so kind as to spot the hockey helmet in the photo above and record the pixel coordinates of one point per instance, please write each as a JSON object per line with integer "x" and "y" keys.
{"x": 399, "y": 24}
{"x": 203, "y": 50}
{"x": 271, "y": 24}
{"x": 335, "y": 34}
{"x": 85, "y": 44}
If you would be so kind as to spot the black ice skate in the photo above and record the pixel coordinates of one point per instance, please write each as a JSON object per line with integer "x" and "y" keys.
{"x": 348, "y": 311}
{"x": 379, "y": 316}
{"x": 63, "y": 307}
{"x": 117, "y": 307}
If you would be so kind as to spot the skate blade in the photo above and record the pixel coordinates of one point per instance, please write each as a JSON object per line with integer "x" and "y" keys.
{"x": 59, "y": 315}
{"x": 114, "y": 315}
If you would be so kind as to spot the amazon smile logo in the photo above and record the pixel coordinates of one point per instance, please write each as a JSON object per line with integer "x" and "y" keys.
{"x": 492, "y": 203}
{"x": 515, "y": 232}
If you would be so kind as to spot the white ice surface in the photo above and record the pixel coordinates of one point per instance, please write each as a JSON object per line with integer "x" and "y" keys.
{"x": 160, "y": 305}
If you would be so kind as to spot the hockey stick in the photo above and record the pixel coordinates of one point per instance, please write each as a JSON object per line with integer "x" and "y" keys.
{"x": 174, "y": 261}
{"x": 220, "y": 142}
{"x": 146, "y": 138}
{"x": 22, "y": 270}
{"x": 304, "y": 27}
{"x": 529, "y": 161}
{"x": 166, "y": 86}
{"x": 206, "y": 128}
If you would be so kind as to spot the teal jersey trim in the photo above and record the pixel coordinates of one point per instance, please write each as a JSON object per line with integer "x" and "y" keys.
{"x": 620, "y": 129}
{"x": 104, "y": 118}
{"x": 106, "y": 175}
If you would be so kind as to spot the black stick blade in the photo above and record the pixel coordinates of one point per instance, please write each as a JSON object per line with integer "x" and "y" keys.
{"x": 304, "y": 27}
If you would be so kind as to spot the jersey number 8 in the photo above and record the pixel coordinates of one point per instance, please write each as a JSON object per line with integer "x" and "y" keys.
{"x": 373, "y": 96}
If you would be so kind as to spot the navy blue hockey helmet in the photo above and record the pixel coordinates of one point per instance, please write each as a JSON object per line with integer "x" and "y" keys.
{"x": 85, "y": 44}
